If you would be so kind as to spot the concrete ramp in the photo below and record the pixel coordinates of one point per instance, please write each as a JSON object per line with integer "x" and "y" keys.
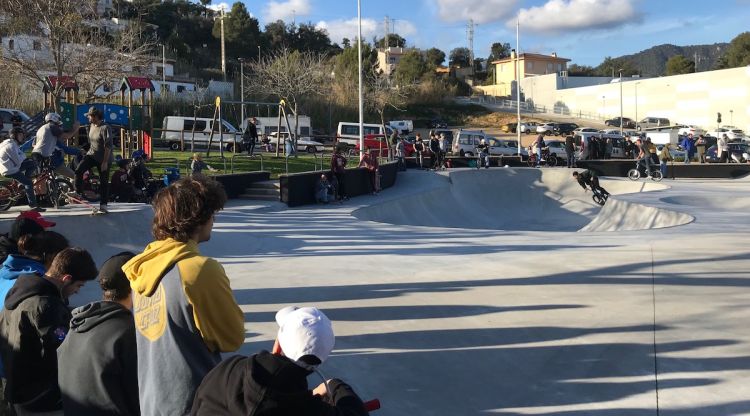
{"x": 519, "y": 199}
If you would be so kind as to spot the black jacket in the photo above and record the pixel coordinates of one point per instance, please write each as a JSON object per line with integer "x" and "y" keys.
{"x": 7, "y": 246}
{"x": 98, "y": 362}
{"x": 269, "y": 385}
{"x": 33, "y": 324}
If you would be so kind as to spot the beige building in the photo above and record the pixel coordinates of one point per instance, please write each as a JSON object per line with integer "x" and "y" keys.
{"x": 530, "y": 65}
{"x": 389, "y": 58}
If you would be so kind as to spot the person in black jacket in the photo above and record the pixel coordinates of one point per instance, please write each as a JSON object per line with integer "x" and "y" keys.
{"x": 250, "y": 136}
{"x": 27, "y": 222}
{"x": 275, "y": 383}
{"x": 589, "y": 178}
{"x": 33, "y": 324}
{"x": 98, "y": 361}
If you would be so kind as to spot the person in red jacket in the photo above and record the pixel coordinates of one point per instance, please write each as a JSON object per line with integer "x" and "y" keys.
{"x": 370, "y": 162}
{"x": 338, "y": 167}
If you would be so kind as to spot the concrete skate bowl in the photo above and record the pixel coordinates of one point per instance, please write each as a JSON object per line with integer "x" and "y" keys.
{"x": 713, "y": 204}
{"x": 522, "y": 200}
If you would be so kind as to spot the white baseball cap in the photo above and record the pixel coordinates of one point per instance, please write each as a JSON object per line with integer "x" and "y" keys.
{"x": 305, "y": 331}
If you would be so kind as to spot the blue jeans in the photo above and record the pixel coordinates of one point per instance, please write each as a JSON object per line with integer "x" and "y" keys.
{"x": 23, "y": 176}
{"x": 538, "y": 155}
{"x": 322, "y": 195}
{"x": 646, "y": 161}
{"x": 663, "y": 166}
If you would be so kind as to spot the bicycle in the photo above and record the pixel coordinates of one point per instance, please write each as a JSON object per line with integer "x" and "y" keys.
{"x": 47, "y": 186}
{"x": 547, "y": 159}
{"x": 483, "y": 159}
{"x": 636, "y": 173}
{"x": 599, "y": 197}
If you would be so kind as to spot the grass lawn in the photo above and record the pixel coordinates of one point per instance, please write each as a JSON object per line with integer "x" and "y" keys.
{"x": 304, "y": 162}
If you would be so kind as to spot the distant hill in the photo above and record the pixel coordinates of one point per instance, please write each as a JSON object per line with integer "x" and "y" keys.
{"x": 653, "y": 61}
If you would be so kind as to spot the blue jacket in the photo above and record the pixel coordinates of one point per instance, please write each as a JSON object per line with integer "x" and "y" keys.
{"x": 14, "y": 266}
{"x": 687, "y": 144}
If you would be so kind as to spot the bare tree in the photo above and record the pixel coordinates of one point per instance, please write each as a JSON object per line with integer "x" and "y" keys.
{"x": 67, "y": 37}
{"x": 380, "y": 96}
{"x": 290, "y": 76}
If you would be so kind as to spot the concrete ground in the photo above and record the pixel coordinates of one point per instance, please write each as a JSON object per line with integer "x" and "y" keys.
{"x": 454, "y": 317}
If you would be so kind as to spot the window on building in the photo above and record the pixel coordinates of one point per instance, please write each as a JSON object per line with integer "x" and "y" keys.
{"x": 180, "y": 88}
{"x": 37, "y": 45}
{"x": 392, "y": 60}
{"x": 159, "y": 70}
{"x": 559, "y": 67}
{"x": 550, "y": 67}
{"x": 107, "y": 87}
{"x": 11, "y": 44}
{"x": 529, "y": 66}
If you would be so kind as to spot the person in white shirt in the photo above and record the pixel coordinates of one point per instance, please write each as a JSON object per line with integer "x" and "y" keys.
{"x": 13, "y": 164}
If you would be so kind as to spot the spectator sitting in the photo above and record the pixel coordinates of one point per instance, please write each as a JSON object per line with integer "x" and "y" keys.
{"x": 33, "y": 324}
{"x": 323, "y": 189}
{"x": 27, "y": 222}
{"x": 197, "y": 165}
{"x": 121, "y": 185}
{"x": 98, "y": 361}
{"x": 275, "y": 383}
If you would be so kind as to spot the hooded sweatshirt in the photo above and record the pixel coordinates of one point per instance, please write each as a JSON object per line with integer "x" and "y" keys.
{"x": 33, "y": 324}
{"x": 185, "y": 315}
{"x": 269, "y": 385}
{"x": 98, "y": 362}
{"x": 14, "y": 266}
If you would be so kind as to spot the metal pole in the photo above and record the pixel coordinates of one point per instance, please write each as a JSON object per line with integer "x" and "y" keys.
{"x": 242, "y": 91}
{"x": 163, "y": 65}
{"x": 636, "y": 103}
{"x": 518, "y": 84}
{"x": 621, "y": 123}
{"x": 223, "y": 50}
{"x": 361, "y": 94}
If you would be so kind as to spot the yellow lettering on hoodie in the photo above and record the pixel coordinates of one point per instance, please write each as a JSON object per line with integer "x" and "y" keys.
{"x": 151, "y": 314}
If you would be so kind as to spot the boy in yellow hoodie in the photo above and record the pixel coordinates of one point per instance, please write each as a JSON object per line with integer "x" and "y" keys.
{"x": 185, "y": 311}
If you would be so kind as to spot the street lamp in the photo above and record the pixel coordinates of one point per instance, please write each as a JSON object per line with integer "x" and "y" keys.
{"x": 621, "y": 123}
{"x": 636, "y": 101}
{"x": 163, "y": 67}
{"x": 333, "y": 77}
{"x": 242, "y": 90}
{"x": 603, "y": 107}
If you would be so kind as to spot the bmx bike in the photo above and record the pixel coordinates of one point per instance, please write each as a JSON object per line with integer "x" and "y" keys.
{"x": 599, "y": 197}
{"x": 640, "y": 170}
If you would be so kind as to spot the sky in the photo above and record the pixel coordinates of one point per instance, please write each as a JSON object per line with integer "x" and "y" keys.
{"x": 585, "y": 31}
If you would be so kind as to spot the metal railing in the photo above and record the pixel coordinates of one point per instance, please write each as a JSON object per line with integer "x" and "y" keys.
{"x": 244, "y": 156}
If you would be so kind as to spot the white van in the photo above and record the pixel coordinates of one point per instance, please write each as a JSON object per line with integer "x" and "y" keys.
{"x": 349, "y": 132}
{"x": 174, "y": 126}
{"x": 465, "y": 142}
{"x": 268, "y": 125}
{"x": 403, "y": 126}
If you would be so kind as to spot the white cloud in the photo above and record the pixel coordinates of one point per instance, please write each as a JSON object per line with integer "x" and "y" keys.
{"x": 219, "y": 6}
{"x": 482, "y": 11}
{"x": 578, "y": 15}
{"x": 287, "y": 11}
{"x": 340, "y": 29}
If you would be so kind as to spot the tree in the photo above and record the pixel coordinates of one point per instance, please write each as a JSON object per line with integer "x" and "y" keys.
{"x": 460, "y": 57}
{"x": 611, "y": 67}
{"x": 380, "y": 95}
{"x": 738, "y": 52}
{"x": 394, "y": 40}
{"x": 678, "y": 65}
{"x": 241, "y": 32}
{"x": 576, "y": 70}
{"x": 410, "y": 68}
{"x": 499, "y": 51}
{"x": 307, "y": 37}
{"x": 290, "y": 76}
{"x": 67, "y": 37}
{"x": 434, "y": 57}
{"x": 346, "y": 43}
{"x": 276, "y": 35}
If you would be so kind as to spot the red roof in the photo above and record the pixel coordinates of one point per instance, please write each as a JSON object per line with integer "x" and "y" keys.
{"x": 137, "y": 83}
{"x": 67, "y": 82}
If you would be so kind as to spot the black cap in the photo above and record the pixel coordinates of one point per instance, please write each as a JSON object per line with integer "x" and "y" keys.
{"x": 23, "y": 226}
{"x": 111, "y": 276}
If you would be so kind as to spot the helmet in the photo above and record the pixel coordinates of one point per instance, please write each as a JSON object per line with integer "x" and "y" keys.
{"x": 53, "y": 117}
{"x": 482, "y": 141}
{"x": 138, "y": 154}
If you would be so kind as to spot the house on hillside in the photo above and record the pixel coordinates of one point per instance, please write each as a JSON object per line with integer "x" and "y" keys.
{"x": 389, "y": 58}
{"x": 529, "y": 65}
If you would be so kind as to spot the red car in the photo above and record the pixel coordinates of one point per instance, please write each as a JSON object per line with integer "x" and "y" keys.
{"x": 379, "y": 145}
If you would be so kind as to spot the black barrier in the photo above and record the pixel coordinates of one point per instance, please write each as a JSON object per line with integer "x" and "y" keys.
{"x": 299, "y": 188}
{"x": 620, "y": 167}
{"x": 465, "y": 162}
{"x": 236, "y": 183}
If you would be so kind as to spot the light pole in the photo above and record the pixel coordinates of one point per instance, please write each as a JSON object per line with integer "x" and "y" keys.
{"x": 333, "y": 78}
{"x": 361, "y": 91}
{"x": 242, "y": 90}
{"x": 621, "y": 123}
{"x": 731, "y": 117}
{"x": 603, "y": 106}
{"x": 163, "y": 67}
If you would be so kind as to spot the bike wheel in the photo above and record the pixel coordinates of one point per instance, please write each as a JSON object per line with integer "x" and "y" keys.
{"x": 64, "y": 187}
{"x": 6, "y": 198}
{"x": 656, "y": 176}
{"x": 634, "y": 175}
{"x": 552, "y": 161}
{"x": 599, "y": 199}
{"x": 53, "y": 193}
{"x": 531, "y": 161}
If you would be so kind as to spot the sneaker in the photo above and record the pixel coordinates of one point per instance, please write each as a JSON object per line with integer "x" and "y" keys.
{"x": 103, "y": 209}
{"x": 37, "y": 209}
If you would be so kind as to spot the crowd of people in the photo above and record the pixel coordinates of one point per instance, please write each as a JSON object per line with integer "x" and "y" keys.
{"x": 152, "y": 345}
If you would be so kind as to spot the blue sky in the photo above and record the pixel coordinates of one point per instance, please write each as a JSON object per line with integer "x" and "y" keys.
{"x": 584, "y": 31}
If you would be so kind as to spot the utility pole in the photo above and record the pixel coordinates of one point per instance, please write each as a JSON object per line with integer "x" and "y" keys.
{"x": 470, "y": 36}
{"x": 242, "y": 90}
{"x": 386, "y": 45}
{"x": 223, "y": 50}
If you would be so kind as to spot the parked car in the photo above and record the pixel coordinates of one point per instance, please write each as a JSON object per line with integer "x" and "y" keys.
{"x": 546, "y": 128}
{"x": 557, "y": 149}
{"x": 348, "y": 132}
{"x": 528, "y": 126}
{"x": 585, "y": 130}
{"x": 739, "y": 152}
{"x": 651, "y": 122}
{"x": 402, "y": 126}
{"x": 198, "y": 130}
{"x": 685, "y": 129}
{"x": 733, "y": 133}
{"x": 564, "y": 128}
{"x": 502, "y": 147}
{"x": 448, "y": 137}
{"x": 378, "y": 145}
{"x": 627, "y": 123}
{"x": 676, "y": 151}
{"x": 465, "y": 142}
{"x": 303, "y": 143}
{"x": 508, "y": 128}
